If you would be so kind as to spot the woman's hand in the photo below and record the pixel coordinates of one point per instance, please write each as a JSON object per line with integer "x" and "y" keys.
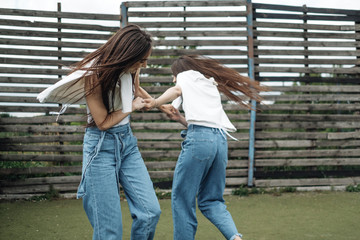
{"x": 138, "y": 103}
{"x": 150, "y": 103}
{"x": 174, "y": 114}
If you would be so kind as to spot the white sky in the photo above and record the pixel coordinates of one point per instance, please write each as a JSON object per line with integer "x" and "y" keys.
{"x": 113, "y": 6}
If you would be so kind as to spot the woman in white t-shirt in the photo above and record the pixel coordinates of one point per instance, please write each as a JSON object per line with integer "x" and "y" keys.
{"x": 201, "y": 167}
{"x": 107, "y": 80}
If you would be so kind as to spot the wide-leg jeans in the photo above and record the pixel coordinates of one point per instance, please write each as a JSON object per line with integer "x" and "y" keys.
{"x": 200, "y": 172}
{"x": 111, "y": 157}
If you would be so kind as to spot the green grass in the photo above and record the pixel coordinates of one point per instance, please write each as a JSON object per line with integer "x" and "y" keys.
{"x": 290, "y": 216}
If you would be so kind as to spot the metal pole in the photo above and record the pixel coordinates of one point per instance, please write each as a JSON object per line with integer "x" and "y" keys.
{"x": 124, "y": 14}
{"x": 251, "y": 72}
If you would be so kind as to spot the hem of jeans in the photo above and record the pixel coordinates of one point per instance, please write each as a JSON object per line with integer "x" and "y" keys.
{"x": 237, "y": 234}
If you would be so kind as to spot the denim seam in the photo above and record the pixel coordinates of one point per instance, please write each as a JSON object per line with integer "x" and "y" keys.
{"x": 148, "y": 214}
{"x": 96, "y": 215}
{"x": 92, "y": 156}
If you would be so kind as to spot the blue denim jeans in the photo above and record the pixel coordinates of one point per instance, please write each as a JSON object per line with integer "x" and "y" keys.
{"x": 111, "y": 157}
{"x": 200, "y": 171}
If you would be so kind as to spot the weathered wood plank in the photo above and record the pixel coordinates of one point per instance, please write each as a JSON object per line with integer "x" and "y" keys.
{"x": 42, "y": 129}
{"x": 307, "y": 162}
{"x": 333, "y": 70}
{"x": 306, "y": 26}
{"x": 147, "y": 23}
{"x": 52, "y": 34}
{"x": 307, "y": 182}
{"x": 57, "y": 25}
{"x": 185, "y": 3}
{"x": 306, "y": 117}
{"x": 38, "y": 138}
{"x": 27, "y": 80}
{"x": 40, "y": 188}
{"x": 304, "y": 8}
{"x": 314, "y": 97}
{"x": 305, "y": 17}
{"x": 307, "y": 125}
{"x": 308, "y": 107}
{"x": 31, "y": 109}
{"x": 308, "y": 153}
{"x": 306, "y": 61}
{"x": 46, "y": 43}
{"x": 308, "y": 79}
{"x": 302, "y": 43}
{"x": 176, "y": 14}
{"x": 314, "y": 88}
{"x": 42, "y": 180}
{"x": 305, "y": 135}
{"x": 55, "y": 14}
{"x": 39, "y": 170}
{"x": 235, "y": 181}
{"x": 259, "y": 144}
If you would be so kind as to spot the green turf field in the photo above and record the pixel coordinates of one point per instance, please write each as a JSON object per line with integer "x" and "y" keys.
{"x": 291, "y": 216}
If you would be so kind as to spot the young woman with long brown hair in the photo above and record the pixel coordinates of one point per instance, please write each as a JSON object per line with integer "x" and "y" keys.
{"x": 201, "y": 167}
{"x": 107, "y": 80}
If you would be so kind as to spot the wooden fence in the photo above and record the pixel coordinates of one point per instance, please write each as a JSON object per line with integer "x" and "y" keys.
{"x": 305, "y": 135}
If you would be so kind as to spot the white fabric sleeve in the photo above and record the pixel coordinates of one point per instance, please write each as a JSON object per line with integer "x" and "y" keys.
{"x": 126, "y": 92}
{"x": 177, "y": 102}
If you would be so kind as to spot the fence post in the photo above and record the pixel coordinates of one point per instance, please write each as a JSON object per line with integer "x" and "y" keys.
{"x": 124, "y": 14}
{"x": 357, "y": 40}
{"x": 306, "y": 47}
{"x": 251, "y": 72}
{"x": 59, "y": 67}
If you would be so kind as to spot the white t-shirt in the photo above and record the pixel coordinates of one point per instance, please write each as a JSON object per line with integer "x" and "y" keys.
{"x": 201, "y": 101}
{"x": 123, "y": 98}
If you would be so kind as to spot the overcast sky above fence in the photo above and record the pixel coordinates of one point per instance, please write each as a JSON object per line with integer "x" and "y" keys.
{"x": 113, "y": 6}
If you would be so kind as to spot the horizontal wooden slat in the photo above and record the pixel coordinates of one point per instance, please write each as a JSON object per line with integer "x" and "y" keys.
{"x": 53, "y": 34}
{"x": 333, "y": 70}
{"x": 148, "y": 23}
{"x": 314, "y": 97}
{"x": 311, "y": 107}
{"x": 308, "y": 182}
{"x": 306, "y": 61}
{"x": 202, "y": 14}
{"x": 307, "y": 79}
{"x": 307, "y": 135}
{"x": 308, "y": 52}
{"x": 307, "y": 162}
{"x": 259, "y": 144}
{"x": 184, "y": 3}
{"x": 42, "y": 180}
{"x": 308, "y": 153}
{"x": 39, "y": 170}
{"x": 307, "y": 117}
{"x": 47, "y": 43}
{"x": 318, "y": 88}
{"x": 290, "y": 34}
{"x": 305, "y": 17}
{"x": 304, "y": 8}
{"x": 57, "y": 25}
{"x": 54, "y": 14}
{"x": 307, "y": 26}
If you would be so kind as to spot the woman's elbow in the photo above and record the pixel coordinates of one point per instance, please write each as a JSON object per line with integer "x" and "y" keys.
{"x": 177, "y": 91}
{"x": 101, "y": 127}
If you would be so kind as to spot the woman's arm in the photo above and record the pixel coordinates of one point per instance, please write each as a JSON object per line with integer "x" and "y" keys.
{"x": 139, "y": 91}
{"x": 99, "y": 113}
{"x": 168, "y": 96}
{"x": 175, "y": 115}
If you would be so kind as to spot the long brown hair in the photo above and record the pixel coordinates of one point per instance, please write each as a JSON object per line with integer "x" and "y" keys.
{"x": 230, "y": 82}
{"x": 126, "y": 47}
